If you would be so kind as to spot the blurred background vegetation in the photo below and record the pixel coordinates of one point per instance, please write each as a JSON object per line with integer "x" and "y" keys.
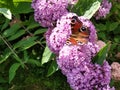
{"x": 26, "y": 63}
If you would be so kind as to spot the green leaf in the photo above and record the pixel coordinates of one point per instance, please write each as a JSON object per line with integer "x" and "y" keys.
{"x": 22, "y": 7}
{"x": 26, "y": 57}
{"x": 46, "y": 55}
{"x": 30, "y": 21}
{"x": 43, "y": 42}
{"x": 26, "y": 43}
{"x": 102, "y": 35}
{"x": 35, "y": 62}
{"x": 52, "y": 69}
{"x": 5, "y": 56}
{"x": 17, "y": 35}
{"x": 40, "y": 31}
{"x": 6, "y": 12}
{"x": 89, "y": 13}
{"x": 76, "y": 7}
{"x": 113, "y": 47}
{"x": 117, "y": 38}
{"x": 18, "y": 6}
{"x": 101, "y": 55}
{"x": 19, "y": 60}
{"x": 116, "y": 30}
{"x": 22, "y": 1}
{"x": 12, "y": 30}
{"x": 112, "y": 25}
{"x": 101, "y": 27}
{"x": 1, "y": 88}
{"x": 5, "y": 25}
{"x": 33, "y": 25}
{"x": 112, "y": 81}
{"x": 82, "y": 6}
{"x": 2, "y": 80}
{"x": 12, "y": 71}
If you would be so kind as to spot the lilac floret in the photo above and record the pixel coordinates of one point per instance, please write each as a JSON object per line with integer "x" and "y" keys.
{"x": 104, "y": 9}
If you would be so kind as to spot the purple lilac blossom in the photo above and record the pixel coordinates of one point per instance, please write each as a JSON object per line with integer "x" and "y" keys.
{"x": 104, "y": 9}
{"x": 62, "y": 32}
{"x": 75, "y": 62}
{"x": 46, "y": 12}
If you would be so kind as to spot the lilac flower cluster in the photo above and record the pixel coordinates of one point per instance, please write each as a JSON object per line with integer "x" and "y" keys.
{"x": 90, "y": 77}
{"x": 104, "y": 9}
{"x": 46, "y": 12}
{"x": 75, "y": 61}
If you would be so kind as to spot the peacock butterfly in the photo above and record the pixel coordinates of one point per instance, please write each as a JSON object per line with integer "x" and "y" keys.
{"x": 80, "y": 33}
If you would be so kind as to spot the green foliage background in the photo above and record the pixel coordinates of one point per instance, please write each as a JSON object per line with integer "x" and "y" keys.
{"x": 26, "y": 63}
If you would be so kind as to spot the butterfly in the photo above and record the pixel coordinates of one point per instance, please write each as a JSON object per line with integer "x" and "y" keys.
{"x": 80, "y": 33}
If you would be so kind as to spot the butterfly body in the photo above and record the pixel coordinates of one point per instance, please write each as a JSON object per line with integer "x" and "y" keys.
{"x": 80, "y": 33}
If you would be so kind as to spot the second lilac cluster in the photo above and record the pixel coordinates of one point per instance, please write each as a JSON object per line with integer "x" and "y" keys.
{"x": 82, "y": 74}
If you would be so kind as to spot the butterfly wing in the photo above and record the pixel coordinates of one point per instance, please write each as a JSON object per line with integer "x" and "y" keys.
{"x": 75, "y": 24}
{"x": 71, "y": 41}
